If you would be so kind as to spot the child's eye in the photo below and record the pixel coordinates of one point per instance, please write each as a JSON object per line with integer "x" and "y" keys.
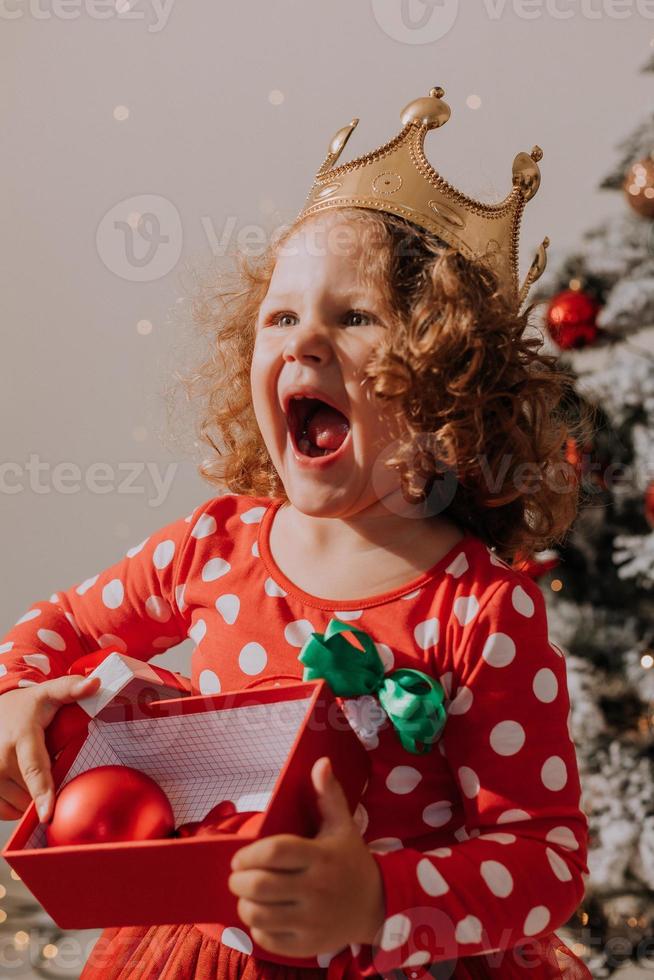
{"x": 276, "y": 319}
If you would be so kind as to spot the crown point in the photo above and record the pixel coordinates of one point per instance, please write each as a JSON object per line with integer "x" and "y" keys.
{"x": 437, "y": 92}
{"x": 546, "y": 242}
{"x": 429, "y": 111}
{"x": 536, "y": 154}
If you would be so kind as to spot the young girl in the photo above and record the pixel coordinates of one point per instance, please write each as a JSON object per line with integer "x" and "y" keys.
{"x": 376, "y": 405}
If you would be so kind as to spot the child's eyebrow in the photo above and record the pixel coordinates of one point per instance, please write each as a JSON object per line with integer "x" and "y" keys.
{"x": 354, "y": 298}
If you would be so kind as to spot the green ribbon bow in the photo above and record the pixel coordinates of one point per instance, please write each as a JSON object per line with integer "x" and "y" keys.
{"x": 412, "y": 700}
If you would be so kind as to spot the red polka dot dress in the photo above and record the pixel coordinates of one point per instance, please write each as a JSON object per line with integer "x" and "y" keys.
{"x": 481, "y": 842}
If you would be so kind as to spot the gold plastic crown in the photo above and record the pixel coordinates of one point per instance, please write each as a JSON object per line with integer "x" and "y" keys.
{"x": 398, "y": 178}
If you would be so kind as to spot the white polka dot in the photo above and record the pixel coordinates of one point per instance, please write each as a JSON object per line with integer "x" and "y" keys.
{"x": 137, "y": 548}
{"x": 426, "y": 633}
{"x": 3, "y": 670}
{"x": 458, "y": 566}
{"x": 163, "y": 554}
{"x": 215, "y": 568}
{"x": 509, "y": 816}
{"x": 255, "y": 549}
{"x": 386, "y": 656}
{"x": 198, "y": 631}
{"x": 419, "y": 958}
{"x": 564, "y": 837}
{"x": 157, "y": 608}
{"x": 54, "y": 598}
{"x": 32, "y": 614}
{"x": 324, "y": 959}
{"x": 431, "y": 880}
{"x": 441, "y": 852}
{"x": 272, "y": 589}
{"x": 446, "y": 682}
{"x": 6, "y": 647}
{"x": 385, "y": 844}
{"x": 558, "y": 865}
{"x": 403, "y": 779}
{"x": 496, "y": 560}
{"x": 228, "y": 606}
{"x": 205, "y": 526}
{"x": 298, "y": 632}
{"x": 411, "y": 595}
{"x": 499, "y": 650}
{"x": 507, "y": 737}
{"x": 235, "y": 938}
{"x": 208, "y": 682}
{"x": 395, "y": 932}
{"x": 360, "y": 818}
{"x": 437, "y": 814}
{"x": 253, "y": 658}
{"x": 536, "y": 920}
{"x": 71, "y": 620}
{"x": 462, "y": 702}
{"x": 465, "y": 608}
{"x": 500, "y": 838}
{"x": 545, "y": 685}
{"x": 165, "y": 642}
{"x": 347, "y": 614}
{"x": 86, "y": 584}
{"x": 468, "y": 930}
{"x": 113, "y": 594}
{"x": 522, "y": 603}
{"x": 554, "y": 773}
{"x": 38, "y": 660}
{"x": 109, "y": 640}
{"x": 461, "y": 834}
{"x": 497, "y": 877}
{"x": 179, "y": 597}
{"x": 253, "y": 515}
{"x": 469, "y": 781}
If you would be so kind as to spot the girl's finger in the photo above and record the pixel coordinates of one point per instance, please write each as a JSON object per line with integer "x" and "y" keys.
{"x": 15, "y": 795}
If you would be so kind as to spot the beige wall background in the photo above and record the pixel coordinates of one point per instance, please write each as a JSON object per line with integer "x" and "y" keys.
{"x": 209, "y": 119}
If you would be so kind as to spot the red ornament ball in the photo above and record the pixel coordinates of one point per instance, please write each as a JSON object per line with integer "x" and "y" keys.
{"x": 639, "y": 187}
{"x": 571, "y": 317}
{"x": 110, "y": 803}
{"x": 649, "y": 504}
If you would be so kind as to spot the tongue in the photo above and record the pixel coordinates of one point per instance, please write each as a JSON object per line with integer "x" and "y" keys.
{"x": 327, "y": 427}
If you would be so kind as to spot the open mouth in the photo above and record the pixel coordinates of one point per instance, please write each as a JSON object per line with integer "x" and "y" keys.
{"x": 317, "y": 429}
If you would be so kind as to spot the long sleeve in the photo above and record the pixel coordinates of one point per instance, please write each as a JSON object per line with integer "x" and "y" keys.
{"x": 136, "y": 605}
{"x": 517, "y": 869}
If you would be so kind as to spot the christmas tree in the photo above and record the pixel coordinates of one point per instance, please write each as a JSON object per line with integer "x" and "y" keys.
{"x": 597, "y": 311}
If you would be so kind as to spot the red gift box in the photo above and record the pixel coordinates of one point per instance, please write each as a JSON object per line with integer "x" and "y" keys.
{"x": 255, "y": 747}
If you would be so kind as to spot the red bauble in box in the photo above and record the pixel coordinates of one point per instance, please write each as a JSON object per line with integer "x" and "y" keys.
{"x": 110, "y": 803}
{"x": 571, "y": 317}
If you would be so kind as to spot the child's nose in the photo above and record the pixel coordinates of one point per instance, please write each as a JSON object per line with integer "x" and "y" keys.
{"x": 308, "y": 341}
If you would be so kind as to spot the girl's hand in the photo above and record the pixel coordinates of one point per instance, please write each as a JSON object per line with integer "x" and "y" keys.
{"x": 24, "y": 760}
{"x": 301, "y": 897}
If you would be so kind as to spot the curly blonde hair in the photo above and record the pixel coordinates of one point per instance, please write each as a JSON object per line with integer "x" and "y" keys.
{"x": 483, "y": 404}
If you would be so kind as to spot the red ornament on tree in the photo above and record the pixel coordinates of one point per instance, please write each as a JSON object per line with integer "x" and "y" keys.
{"x": 110, "y": 803}
{"x": 649, "y": 504}
{"x": 571, "y": 317}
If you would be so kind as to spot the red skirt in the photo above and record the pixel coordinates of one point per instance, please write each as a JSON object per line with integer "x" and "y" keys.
{"x": 184, "y": 952}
